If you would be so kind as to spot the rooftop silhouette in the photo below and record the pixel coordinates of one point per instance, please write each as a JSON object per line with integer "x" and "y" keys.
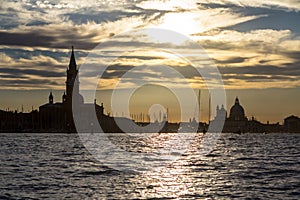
{"x": 58, "y": 116}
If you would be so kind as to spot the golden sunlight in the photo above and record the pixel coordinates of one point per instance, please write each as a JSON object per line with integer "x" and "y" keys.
{"x": 178, "y": 22}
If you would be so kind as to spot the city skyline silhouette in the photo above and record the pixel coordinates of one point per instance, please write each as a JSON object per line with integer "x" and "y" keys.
{"x": 255, "y": 48}
{"x": 58, "y": 116}
{"x": 150, "y": 99}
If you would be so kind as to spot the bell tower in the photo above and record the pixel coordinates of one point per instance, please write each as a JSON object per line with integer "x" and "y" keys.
{"x": 72, "y": 86}
{"x": 72, "y": 83}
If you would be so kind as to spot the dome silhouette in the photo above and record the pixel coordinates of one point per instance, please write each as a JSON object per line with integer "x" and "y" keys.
{"x": 237, "y": 112}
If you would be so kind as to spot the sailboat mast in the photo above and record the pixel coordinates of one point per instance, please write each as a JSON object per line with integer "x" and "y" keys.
{"x": 209, "y": 107}
{"x": 199, "y": 97}
{"x": 167, "y": 114}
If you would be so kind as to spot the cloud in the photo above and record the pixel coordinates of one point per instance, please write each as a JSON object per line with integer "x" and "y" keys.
{"x": 25, "y": 39}
{"x": 29, "y": 84}
{"x": 232, "y": 60}
{"x": 97, "y": 16}
{"x": 61, "y": 36}
{"x": 35, "y": 37}
{"x": 22, "y": 72}
{"x": 234, "y": 48}
{"x": 55, "y": 36}
{"x": 266, "y": 70}
{"x": 259, "y": 78}
{"x": 262, "y": 35}
{"x": 59, "y": 24}
{"x": 287, "y": 4}
{"x": 173, "y": 6}
{"x": 272, "y": 19}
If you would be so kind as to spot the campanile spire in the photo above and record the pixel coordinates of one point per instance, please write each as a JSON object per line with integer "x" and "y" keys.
{"x": 72, "y": 89}
{"x": 72, "y": 64}
{"x": 237, "y": 102}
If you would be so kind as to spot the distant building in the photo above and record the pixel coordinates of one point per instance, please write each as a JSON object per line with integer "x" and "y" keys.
{"x": 237, "y": 122}
{"x": 255, "y": 126}
{"x": 273, "y": 128}
{"x": 13, "y": 121}
{"x": 292, "y": 124}
{"x": 58, "y": 117}
{"x": 52, "y": 115}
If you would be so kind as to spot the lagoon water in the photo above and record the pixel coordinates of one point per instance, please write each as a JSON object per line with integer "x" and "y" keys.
{"x": 58, "y": 166}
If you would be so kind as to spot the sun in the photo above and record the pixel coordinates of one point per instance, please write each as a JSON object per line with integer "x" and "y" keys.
{"x": 185, "y": 23}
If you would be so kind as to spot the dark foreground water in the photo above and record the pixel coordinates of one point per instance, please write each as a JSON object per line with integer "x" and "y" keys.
{"x": 57, "y": 166}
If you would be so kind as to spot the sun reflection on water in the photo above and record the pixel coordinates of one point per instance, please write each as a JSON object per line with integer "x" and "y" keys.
{"x": 176, "y": 180}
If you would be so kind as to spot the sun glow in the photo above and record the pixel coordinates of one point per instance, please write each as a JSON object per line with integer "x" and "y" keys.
{"x": 184, "y": 23}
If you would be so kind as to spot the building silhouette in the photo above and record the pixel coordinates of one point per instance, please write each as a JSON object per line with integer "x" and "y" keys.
{"x": 292, "y": 124}
{"x": 58, "y": 116}
{"x": 237, "y": 121}
{"x": 52, "y": 115}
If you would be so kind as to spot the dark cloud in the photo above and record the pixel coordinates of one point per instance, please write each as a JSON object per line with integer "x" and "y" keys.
{"x": 116, "y": 71}
{"x": 22, "y": 72}
{"x": 17, "y": 53}
{"x": 37, "y": 23}
{"x": 231, "y": 60}
{"x": 143, "y": 57}
{"x": 29, "y": 82}
{"x": 58, "y": 39}
{"x": 259, "y": 78}
{"x": 26, "y": 39}
{"x": 136, "y": 44}
{"x": 256, "y": 46}
{"x": 63, "y": 39}
{"x": 265, "y": 61}
{"x": 266, "y": 70}
{"x": 188, "y": 72}
{"x": 292, "y": 54}
{"x": 11, "y": 76}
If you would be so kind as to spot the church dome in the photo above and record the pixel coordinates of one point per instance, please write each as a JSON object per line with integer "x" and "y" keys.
{"x": 237, "y": 111}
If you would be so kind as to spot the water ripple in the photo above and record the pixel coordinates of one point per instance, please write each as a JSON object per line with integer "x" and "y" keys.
{"x": 57, "y": 166}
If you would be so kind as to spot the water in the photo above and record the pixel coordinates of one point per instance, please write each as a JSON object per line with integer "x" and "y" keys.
{"x": 57, "y": 166}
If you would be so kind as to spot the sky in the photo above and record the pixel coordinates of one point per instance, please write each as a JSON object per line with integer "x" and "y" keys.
{"x": 254, "y": 44}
